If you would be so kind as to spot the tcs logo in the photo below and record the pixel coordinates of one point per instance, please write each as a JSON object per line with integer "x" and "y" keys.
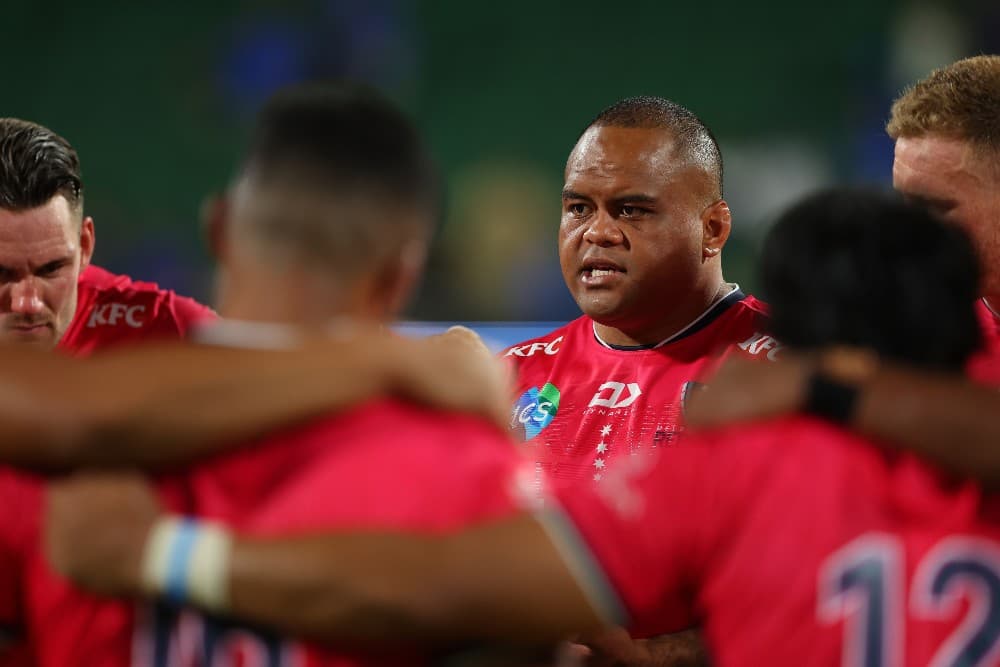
{"x": 110, "y": 314}
{"x": 534, "y": 411}
{"x": 550, "y": 348}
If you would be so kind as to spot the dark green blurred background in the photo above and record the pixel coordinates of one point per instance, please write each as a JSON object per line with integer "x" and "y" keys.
{"x": 157, "y": 98}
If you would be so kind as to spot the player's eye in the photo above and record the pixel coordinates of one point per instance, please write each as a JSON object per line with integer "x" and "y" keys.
{"x": 630, "y": 211}
{"x": 50, "y": 269}
{"x": 578, "y": 209}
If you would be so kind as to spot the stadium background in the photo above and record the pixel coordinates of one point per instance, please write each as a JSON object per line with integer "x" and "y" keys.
{"x": 157, "y": 97}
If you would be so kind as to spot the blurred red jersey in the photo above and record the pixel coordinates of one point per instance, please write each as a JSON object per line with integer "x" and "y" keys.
{"x": 984, "y": 366}
{"x": 990, "y": 322}
{"x": 114, "y": 310}
{"x": 798, "y": 543}
{"x": 388, "y": 464}
{"x": 111, "y": 310}
{"x": 584, "y": 405}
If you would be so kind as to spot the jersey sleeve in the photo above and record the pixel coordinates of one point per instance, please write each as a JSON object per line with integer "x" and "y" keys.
{"x": 20, "y": 505}
{"x": 186, "y": 313}
{"x": 635, "y": 540}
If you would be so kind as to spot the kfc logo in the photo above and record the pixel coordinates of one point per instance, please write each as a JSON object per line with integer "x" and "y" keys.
{"x": 548, "y": 347}
{"x": 110, "y": 314}
{"x": 762, "y": 343}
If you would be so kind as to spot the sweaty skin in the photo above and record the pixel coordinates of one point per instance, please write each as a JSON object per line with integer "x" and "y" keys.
{"x": 640, "y": 227}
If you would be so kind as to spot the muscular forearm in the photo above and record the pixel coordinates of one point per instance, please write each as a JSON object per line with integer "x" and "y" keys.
{"x": 163, "y": 404}
{"x": 945, "y": 419}
{"x": 502, "y": 582}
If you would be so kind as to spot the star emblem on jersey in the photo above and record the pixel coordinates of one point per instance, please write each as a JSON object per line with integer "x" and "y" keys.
{"x": 534, "y": 410}
{"x": 599, "y": 463}
{"x": 606, "y": 429}
{"x": 602, "y": 447}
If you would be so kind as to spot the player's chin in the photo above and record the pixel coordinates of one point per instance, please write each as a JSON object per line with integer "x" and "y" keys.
{"x": 37, "y": 336}
{"x": 600, "y": 305}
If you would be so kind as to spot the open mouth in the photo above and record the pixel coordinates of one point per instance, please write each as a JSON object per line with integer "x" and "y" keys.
{"x": 600, "y": 271}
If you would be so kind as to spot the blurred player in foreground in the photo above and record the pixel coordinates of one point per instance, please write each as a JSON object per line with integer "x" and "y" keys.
{"x": 947, "y": 132}
{"x": 50, "y": 293}
{"x": 165, "y": 403}
{"x": 794, "y": 541}
{"x": 329, "y": 218}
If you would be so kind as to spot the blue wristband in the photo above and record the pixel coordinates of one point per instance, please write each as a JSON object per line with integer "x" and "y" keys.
{"x": 175, "y": 586}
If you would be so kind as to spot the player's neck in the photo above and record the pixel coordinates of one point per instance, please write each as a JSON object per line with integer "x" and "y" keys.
{"x": 279, "y": 298}
{"x": 675, "y": 321}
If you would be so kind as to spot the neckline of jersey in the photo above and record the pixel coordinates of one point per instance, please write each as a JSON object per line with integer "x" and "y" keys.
{"x": 712, "y": 313}
{"x": 990, "y": 308}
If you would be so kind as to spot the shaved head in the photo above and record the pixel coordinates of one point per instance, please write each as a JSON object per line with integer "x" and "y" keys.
{"x": 692, "y": 138}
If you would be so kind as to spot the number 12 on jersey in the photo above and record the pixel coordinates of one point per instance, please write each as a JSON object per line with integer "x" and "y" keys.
{"x": 863, "y": 585}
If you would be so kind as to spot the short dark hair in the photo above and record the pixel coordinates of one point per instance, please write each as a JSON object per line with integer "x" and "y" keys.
{"x": 692, "y": 135}
{"x": 347, "y": 135}
{"x": 36, "y": 164}
{"x": 338, "y": 144}
{"x": 864, "y": 268}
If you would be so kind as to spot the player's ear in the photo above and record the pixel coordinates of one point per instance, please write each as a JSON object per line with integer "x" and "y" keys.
{"x": 214, "y": 217}
{"x": 86, "y": 242}
{"x": 716, "y": 223}
{"x": 396, "y": 281}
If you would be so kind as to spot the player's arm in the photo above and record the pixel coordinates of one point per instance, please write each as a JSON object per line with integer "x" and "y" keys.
{"x": 163, "y": 404}
{"x": 615, "y": 647}
{"x": 946, "y": 419}
{"x": 503, "y": 581}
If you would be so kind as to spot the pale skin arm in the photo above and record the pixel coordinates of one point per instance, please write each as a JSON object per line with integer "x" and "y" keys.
{"x": 504, "y": 581}
{"x": 946, "y": 419}
{"x": 158, "y": 405}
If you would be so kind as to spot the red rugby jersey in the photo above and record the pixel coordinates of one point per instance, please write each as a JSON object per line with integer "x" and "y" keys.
{"x": 798, "y": 543}
{"x": 387, "y": 464}
{"x": 990, "y": 322}
{"x": 113, "y": 309}
{"x": 584, "y": 407}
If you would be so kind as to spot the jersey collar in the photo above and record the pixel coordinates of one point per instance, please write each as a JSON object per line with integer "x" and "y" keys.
{"x": 712, "y": 313}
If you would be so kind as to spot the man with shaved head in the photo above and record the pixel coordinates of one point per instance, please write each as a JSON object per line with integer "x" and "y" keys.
{"x": 643, "y": 226}
{"x": 640, "y": 244}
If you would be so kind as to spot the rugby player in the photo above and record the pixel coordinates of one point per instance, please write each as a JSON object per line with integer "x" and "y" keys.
{"x": 640, "y": 244}
{"x": 329, "y": 218}
{"x": 169, "y": 403}
{"x": 793, "y": 540}
{"x": 50, "y": 293}
{"x": 643, "y": 227}
{"x": 947, "y": 156}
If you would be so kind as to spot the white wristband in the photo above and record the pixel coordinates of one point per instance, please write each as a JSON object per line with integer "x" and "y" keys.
{"x": 188, "y": 561}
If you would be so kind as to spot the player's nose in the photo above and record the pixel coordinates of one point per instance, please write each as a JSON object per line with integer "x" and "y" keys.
{"x": 603, "y": 230}
{"x": 26, "y": 297}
